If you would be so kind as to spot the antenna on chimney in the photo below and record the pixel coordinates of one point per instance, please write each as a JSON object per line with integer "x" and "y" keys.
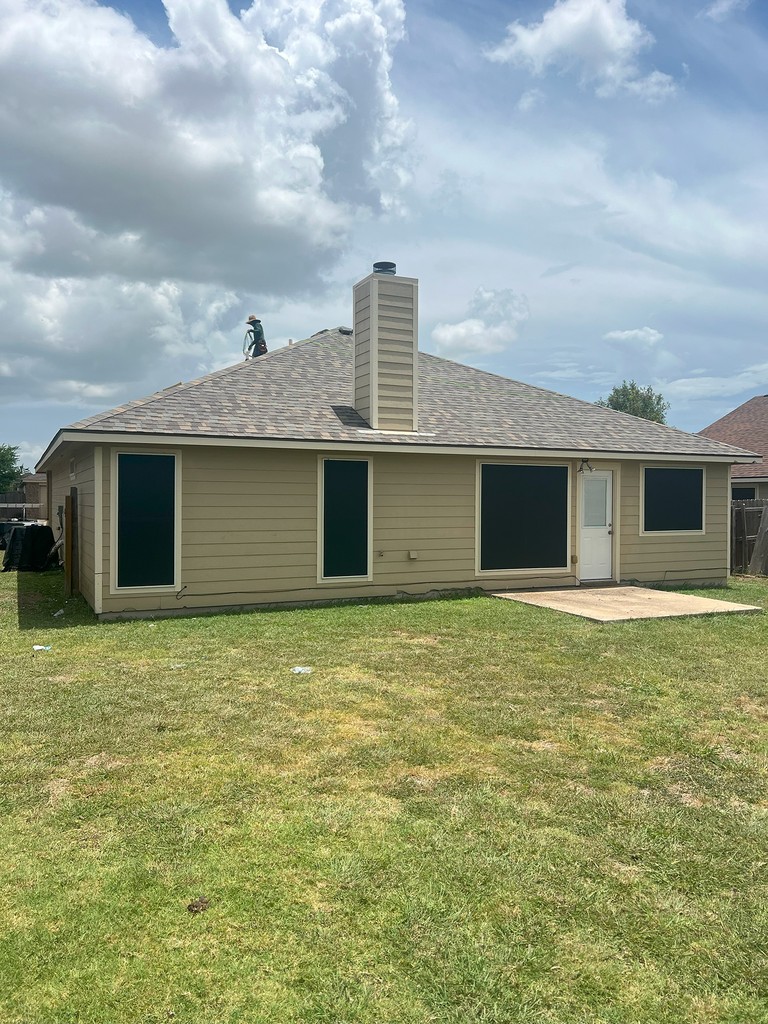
{"x": 254, "y": 343}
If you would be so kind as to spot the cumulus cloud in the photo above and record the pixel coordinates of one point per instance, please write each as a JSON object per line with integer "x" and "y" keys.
{"x": 642, "y": 335}
{"x": 493, "y": 321}
{"x": 595, "y": 37}
{"x": 721, "y": 10}
{"x": 146, "y": 190}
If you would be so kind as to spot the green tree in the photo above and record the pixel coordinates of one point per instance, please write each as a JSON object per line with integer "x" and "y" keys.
{"x": 643, "y": 402}
{"x": 11, "y": 470}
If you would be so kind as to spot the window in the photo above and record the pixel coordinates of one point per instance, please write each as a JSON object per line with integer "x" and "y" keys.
{"x": 743, "y": 493}
{"x": 673, "y": 500}
{"x": 345, "y": 528}
{"x": 146, "y": 520}
{"x": 523, "y": 517}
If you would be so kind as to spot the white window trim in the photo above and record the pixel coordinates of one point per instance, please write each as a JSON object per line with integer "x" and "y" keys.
{"x": 561, "y": 570}
{"x": 165, "y": 588}
{"x": 672, "y": 533}
{"x": 331, "y": 580}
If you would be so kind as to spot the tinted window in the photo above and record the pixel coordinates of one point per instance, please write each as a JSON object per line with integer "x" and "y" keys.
{"x": 524, "y": 517}
{"x": 743, "y": 493}
{"x": 146, "y": 520}
{"x": 345, "y": 518}
{"x": 673, "y": 499}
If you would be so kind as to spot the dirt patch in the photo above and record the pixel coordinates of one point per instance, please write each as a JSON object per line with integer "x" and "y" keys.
{"x": 410, "y": 638}
{"x": 58, "y": 791}
{"x": 103, "y": 761}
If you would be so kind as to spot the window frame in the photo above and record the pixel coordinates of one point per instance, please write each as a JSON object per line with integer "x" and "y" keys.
{"x": 743, "y": 487}
{"x": 331, "y": 580}
{"x": 567, "y": 569}
{"x": 163, "y": 588}
{"x": 673, "y": 533}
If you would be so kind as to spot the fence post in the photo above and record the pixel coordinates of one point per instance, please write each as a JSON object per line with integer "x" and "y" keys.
{"x": 759, "y": 561}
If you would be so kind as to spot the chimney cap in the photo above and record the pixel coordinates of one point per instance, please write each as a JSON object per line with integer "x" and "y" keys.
{"x": 384, "y": 267}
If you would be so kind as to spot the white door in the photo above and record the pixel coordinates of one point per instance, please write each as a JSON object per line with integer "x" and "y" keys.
{"x": 596, "y": 525}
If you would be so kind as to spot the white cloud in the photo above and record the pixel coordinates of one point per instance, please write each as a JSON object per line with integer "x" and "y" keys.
{"x": 493, "y": 323}
{"x": 721, "y": 10}
{"x": 146, "y": 190}
{"x": 753, "y": 379}
{"x": 595, "y": 37}
{"x": 530, "y": 99}
{"x": 643, "y": 335}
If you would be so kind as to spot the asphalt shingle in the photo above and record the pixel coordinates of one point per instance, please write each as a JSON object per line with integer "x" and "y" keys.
{"x": 745, "y": 427}
{"x": 304, "y": 392}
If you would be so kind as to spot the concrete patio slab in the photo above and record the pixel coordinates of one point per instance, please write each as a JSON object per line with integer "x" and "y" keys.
{"x": 620, "y": 604}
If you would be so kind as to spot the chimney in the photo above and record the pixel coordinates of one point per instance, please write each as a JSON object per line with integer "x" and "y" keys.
{"x": 386, "y": 311}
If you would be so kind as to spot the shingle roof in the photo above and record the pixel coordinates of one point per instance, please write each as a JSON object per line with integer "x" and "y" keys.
{"x": 746, "y": 427}
{"x": 304, "y": 392}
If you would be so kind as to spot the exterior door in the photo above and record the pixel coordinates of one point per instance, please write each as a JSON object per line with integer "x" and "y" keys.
{"x": 596, "y": 551}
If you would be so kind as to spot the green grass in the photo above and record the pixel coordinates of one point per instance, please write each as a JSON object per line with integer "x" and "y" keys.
{"x": 470, "y": 811}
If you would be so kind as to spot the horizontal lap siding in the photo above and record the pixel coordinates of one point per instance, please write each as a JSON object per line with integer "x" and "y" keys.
{"x": 659, "y": 558}
{"x": 249, "y": 530}
{"x": 83, "y": 480}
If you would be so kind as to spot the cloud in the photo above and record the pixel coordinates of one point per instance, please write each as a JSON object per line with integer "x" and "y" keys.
{"x": 530, "y": 99}
{"x": 721, "y": 10}
{"x": 753, "y": 379}
{"x": 146, "y": 190}
{"x": 595, "y": 37}
{"x": 493, "y": 323}
{"x": 643, "y": 335}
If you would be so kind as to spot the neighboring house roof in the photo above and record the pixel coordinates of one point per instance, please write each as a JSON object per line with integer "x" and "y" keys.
{"x": 745, "y": 427}
{"x": 34, "y": 478}
{"x": 304, "y": 393}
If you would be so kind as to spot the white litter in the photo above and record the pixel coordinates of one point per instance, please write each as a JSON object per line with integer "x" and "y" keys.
{"x": 301, "y": 670}
{"x": 58, "y": 613}
{"x": 40, "y": 647}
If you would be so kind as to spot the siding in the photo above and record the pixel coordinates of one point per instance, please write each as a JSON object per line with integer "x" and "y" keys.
{"x": 83, "y": 480}
{"x": 397, "y": 344}
{"x": 250, "y": 530}
{"x": 363, "y": 384}
{"x": 681, "y": 558}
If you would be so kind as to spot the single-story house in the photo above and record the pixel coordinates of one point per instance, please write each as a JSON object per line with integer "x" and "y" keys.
{"x": 746, "y": 427}
{"x": 351, "y": 465}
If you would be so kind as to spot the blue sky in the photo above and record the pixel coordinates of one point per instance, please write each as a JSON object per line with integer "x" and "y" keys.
{"x": 580, "y": 186}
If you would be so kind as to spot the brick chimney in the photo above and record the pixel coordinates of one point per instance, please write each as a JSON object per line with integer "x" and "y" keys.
{"x": 386, "y": 311}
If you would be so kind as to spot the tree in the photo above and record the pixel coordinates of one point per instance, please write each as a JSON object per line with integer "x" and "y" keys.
{"x": 643, "y": 402}
{"x": 11, "y": 470}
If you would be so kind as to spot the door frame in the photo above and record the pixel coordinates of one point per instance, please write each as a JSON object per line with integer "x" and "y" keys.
{"x": 615, "y": 468}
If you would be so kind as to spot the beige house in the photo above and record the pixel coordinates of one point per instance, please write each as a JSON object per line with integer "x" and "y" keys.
{"x": 352, "y": 466}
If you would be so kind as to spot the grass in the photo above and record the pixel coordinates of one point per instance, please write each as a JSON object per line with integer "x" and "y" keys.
{"x": 470, "y": 811}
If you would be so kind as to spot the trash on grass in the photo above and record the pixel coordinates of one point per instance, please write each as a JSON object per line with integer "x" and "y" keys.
{"x": 41, "y": 647}
{"x": 57, "y": 614}
{"x": 301, "y": 670}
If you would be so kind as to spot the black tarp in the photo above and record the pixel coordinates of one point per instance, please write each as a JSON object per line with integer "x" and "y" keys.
{"x": 29, "y": 549}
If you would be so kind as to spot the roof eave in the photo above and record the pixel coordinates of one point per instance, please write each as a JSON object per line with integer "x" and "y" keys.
{"x": 65, "y": 436}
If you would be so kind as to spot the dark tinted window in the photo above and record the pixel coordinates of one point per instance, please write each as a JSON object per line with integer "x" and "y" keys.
{"x": 524, "y": 517}
{"x": 345, "y": 518}
{"x": 673, "y": 499}
{"x": 743, "y": 493}
{"x": 146, "y": 520}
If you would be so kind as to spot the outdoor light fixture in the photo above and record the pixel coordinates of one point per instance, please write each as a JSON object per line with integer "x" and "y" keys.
{"x": 585, "y": 467}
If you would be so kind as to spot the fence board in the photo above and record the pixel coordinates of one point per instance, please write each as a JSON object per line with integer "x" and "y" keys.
{"x": 746, "y": 517}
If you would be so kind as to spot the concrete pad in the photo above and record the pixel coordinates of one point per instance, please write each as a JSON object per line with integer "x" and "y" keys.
{"x": 620, "y": 604}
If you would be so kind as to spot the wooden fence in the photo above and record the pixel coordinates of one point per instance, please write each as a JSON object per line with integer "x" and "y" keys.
{"x": 749, "y": 536}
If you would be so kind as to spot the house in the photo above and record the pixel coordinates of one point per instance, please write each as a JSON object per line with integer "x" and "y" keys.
{"x": 746, "y": 427}
{"x": 351, "y": 466}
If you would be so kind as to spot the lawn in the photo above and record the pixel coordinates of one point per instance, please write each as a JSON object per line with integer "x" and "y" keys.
{"x": 469, "y": 811}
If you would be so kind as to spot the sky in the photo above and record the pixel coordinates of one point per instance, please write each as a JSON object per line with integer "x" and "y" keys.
{"x": 580, "y": 186}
